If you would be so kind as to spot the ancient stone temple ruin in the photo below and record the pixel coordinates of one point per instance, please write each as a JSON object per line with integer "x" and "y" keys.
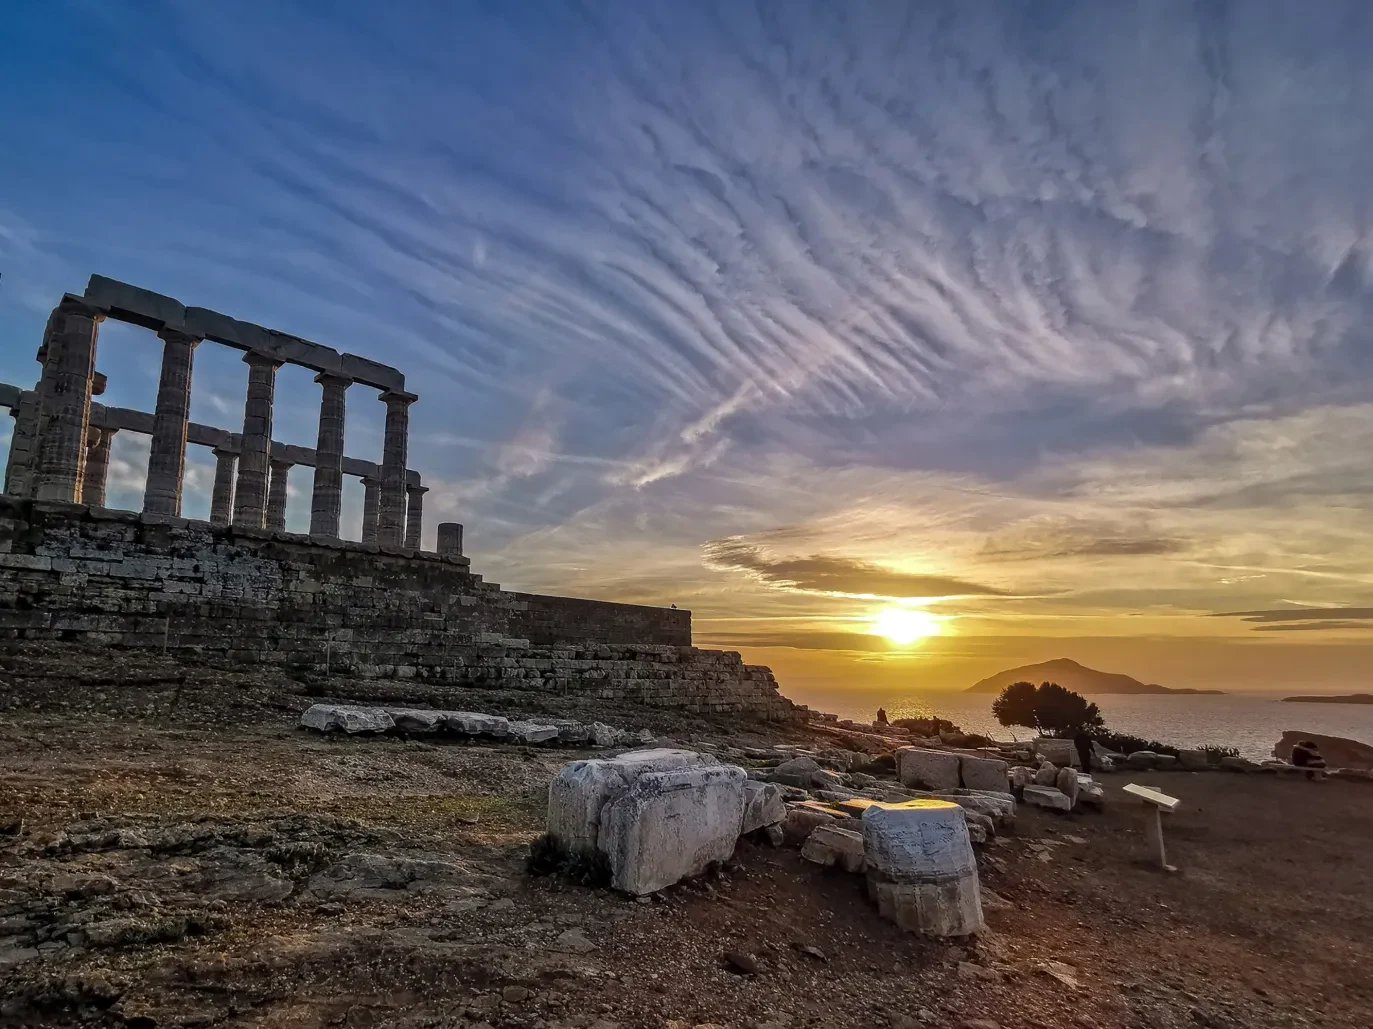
{"x": 239, "y": 588}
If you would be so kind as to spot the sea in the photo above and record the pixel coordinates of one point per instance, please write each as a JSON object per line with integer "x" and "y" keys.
{"x": 1252, "y": 723}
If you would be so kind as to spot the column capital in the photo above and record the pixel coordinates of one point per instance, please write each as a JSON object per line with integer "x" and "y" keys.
{"x": 417, "y": 491}
{"x": 333, "y": 379}
{"x": 73, "y": 304}
{"x": 281, "y": 462}
{"x": 370, "y": 480}
{"x": 258, "y": 359}
{"x": 398, "y": 398}
{"x": 169, "y": 335}
{"x": 98, "y": 383}
{"x": 224, "y": 452}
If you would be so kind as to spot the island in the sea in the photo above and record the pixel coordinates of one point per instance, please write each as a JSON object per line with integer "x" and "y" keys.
{"x": 1079, "y": 678}
{"x": 1347, "y": 698}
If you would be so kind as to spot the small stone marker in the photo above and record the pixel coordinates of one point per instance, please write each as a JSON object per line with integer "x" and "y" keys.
{"x": 1153, "y": 826}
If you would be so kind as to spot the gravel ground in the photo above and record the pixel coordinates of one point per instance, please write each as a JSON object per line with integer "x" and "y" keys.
{"x": 187, "y": 857}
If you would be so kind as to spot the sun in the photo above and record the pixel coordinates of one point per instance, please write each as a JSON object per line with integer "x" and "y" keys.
{"x": 904, "y": 626}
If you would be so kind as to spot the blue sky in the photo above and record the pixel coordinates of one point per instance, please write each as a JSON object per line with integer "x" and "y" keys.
{"x": 1051, "y": 320}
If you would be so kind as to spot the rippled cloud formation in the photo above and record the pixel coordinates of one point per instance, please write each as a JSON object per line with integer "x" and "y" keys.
{"x": 1052, "y": 319}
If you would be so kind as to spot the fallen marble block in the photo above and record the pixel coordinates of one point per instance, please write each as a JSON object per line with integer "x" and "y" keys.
{"x": 763, "y": 806}
{"x": 346, "y": 718}
{"x": 1048, "y": 797}
{"x": 475, "y": 724}
{"x": 1046, "y": 774}
{"x": 1068, "y": 786}
{"x": 920, "y": 867}
{"x": 1061, "y": 752}
{"x": 534, "y": 732}
{"x": 581, "y": 789}
{"x": 983, "y": 773}
{"x": 927, "y": 769}
{"x": 668, "y": 826}
{"x": 831, "y": 845}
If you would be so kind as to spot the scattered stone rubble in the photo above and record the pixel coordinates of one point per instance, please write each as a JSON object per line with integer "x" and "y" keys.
{"x": 350, "y": 718}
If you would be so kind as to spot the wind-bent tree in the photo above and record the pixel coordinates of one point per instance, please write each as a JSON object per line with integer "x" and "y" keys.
{"x": 1048, "y": 708}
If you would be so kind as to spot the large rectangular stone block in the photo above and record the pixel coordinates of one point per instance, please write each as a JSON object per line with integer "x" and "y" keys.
{"x": 984, "y": 773}
{"x": 927, "y": 769}
{"x": 668, "y": 826}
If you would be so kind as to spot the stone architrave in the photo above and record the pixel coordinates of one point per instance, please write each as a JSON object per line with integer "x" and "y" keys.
{"x": 394, "y": 455}
{"x": 250, "y": 491}
{"x": 23, "y": 455}
{"x": 277, "y": 493}
{"x": 449, "y": 543}
{"x": 414, "y": 515}
{"x": 371, "y": 505}
{"x": 65, "y": 400}
{"x": 171, "y": 417}
{"x": 326, "y": 499}
{"x": 222, "y": 495}
{"x": 97, "y": 467}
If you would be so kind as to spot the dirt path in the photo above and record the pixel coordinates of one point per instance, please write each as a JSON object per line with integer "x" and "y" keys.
{"x": 181, "y": 873}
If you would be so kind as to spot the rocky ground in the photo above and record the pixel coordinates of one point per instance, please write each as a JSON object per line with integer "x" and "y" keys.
{"x": 173, "y": 851}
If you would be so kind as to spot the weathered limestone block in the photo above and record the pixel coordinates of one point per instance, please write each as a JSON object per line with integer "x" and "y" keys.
{"x": 1193, "y": 760}
{"x": 1046, "y": 774}
{"x": 1060, "y": 752}
{"x": 763, "y": 805}
{"x": 927, "y": 769}
{"x": 1067, "y": 785}
{"x": 1166, "y": 763}
{"x": 1142, "y": 760}
{"x": 346, "y": 717}
{"x": 831, "y": 845}
{"x": 1048, "y": 797}
{"x": 1000, "y": 807}
{"x": 533, "y": 732}
{"x": 920, "y": 867}
{"x": 983, "y": 773}
{"x": 1090, "y": 791}
{"x": 668, "y": 826}
{"x": 408, "y": 719}
{"x": 1021, "y": 776}
{"x": 796, "y": 772}
{"x": 802, "y": 819}
{"x": 581, "y": 789}
{"x": 475, "y": 724}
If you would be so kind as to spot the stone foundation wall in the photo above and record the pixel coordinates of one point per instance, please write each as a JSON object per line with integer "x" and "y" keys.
{"x": 99, "y": 577}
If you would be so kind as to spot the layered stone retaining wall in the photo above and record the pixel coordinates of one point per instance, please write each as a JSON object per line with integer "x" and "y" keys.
{"x": 98, "y": 577}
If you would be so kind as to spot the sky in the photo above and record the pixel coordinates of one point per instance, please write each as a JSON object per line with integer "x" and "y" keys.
{"x": 1050, "y": 323}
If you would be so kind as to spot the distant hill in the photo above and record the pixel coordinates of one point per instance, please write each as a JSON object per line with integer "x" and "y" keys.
{"x": 1078, "y": 678}
{"x": 1348, "y": 698}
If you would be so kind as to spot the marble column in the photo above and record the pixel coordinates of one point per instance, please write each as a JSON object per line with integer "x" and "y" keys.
{"x": 276, "y": 496}
{"x": 23, "y": 457}
{"x": 250, "y": 491}
{"x": 97, "y": 466}
{"x": 394, "y": 455}
{"x": 449, "y": 540}
{"x": 222, "y": 496}
{"x": 171, "y": 416}
{"x": 414, "y": 515}
{"x": 371, "y": 503}
{"x": 326, "y": 500}
{"x": 65, "y": 399}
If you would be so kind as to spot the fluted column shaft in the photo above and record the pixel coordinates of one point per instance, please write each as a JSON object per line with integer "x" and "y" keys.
{"x": 97, "y": 466}
{"x": 449, "y": 541}
{"x": 414, "y": 515}
{"x": 371, "y": 503}
{"x": 326, "y": 499}
{"x": 65, "y": 399}
{"x": 250, "y": 492}
{"x": 23, "y": 459}
{"x": 394, "y": 455}
{"x": 171, "y": 416}
{"x": 222, "y": 496}
{"x": 276, "y": 497}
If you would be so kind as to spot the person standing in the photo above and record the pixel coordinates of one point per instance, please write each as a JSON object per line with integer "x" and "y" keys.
{"x": 1083, "y": 743}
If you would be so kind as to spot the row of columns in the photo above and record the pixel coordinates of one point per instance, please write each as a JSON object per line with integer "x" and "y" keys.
{"x": 67, "y": 460}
